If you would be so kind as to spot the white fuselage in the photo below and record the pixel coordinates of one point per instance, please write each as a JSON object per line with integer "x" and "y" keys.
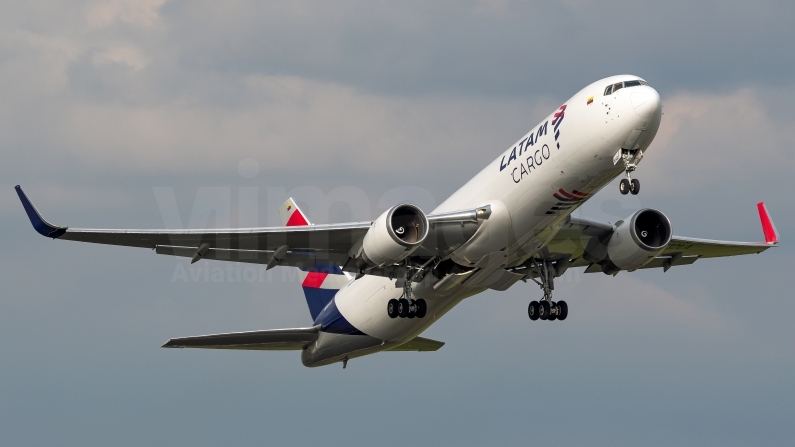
{"x": 572, "y": 149}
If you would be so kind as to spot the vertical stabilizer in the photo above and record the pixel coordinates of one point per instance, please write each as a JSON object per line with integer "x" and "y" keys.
{"x": 321, "y": 283}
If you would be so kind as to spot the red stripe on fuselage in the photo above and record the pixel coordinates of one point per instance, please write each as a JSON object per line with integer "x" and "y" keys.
{"x": 565, "y": 194}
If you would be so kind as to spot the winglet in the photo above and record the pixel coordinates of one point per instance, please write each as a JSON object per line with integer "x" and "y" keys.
{"x": 39, "y": 224}
{"x": 771, "y": 234}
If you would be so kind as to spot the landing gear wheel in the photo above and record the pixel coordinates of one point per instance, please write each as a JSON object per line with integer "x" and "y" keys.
{"x": 403, "y": 308}
{"x": 412, "y": 309}
{"x": 563, "y": 310}
{"x": 553, "y": 314}
{"x": 624, "y": 186}
{"x": 634, "y": 186}
{"x": 392, "y": 308}
{"x": 532, "y": 310}
{"x": 544, "y": 310}
{"x": 422, "y": 308}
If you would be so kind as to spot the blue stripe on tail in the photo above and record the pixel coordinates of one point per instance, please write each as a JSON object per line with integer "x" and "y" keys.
{"x": 317, "y": 299}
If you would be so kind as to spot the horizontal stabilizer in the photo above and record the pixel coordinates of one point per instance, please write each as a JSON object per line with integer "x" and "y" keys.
{"x": 269, "y": 340}
{"x": 419, "y": 344}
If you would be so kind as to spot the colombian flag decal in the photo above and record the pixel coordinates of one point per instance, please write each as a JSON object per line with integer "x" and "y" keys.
{"x": 590, "y": 100}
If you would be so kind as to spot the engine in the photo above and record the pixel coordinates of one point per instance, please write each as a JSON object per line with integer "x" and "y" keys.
{"x": 636, "y": 241}
{"x": 394, "y": 235}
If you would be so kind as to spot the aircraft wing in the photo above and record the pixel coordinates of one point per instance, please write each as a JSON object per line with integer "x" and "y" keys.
{"x": 270, "y": 340}
{"x": 297, "y": 246}
{"x": 576, "y": 232}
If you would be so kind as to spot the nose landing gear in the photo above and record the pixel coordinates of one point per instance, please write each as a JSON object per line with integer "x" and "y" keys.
{"x": 630, "y": 158}
{"x": 628, "y": 185}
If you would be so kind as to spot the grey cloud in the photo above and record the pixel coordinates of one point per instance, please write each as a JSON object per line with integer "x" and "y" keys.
{"x": 443, "y": 47}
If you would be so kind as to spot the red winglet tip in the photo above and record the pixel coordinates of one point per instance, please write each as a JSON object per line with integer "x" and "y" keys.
{"x": 768, "y": 228}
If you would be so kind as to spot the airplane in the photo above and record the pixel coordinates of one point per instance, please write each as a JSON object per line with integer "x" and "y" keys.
{"x": 376, "y": 286}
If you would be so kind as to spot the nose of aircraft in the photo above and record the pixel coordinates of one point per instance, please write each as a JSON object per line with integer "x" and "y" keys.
{"x": 645, "y": 101}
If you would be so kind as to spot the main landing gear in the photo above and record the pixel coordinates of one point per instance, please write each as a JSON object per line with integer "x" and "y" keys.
{"x": 546, "y": 309}
{"x": 405, "y": 308}
{"x": 630, "y": 158}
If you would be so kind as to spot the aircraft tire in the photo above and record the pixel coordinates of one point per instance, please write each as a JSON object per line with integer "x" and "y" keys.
{"x": 544, "y": 310}
{"x": 403, "y": 308}
{"x": 553, "y": 316}
{"x": 422, "y": 308}
{"x": 624, "y": 186}
{"x": 634, "y": 186}
{"x": 532, "y": 310}
{"x": 412, "y": 310}
{"x": 563, "y": 310}
{"x": 392, "y": 308}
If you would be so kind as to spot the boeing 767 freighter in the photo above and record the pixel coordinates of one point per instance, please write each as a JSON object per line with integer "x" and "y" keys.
{"x": 375, "y": 286}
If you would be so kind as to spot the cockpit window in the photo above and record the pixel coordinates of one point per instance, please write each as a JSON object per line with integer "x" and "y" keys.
{"x": 619, "y": 85}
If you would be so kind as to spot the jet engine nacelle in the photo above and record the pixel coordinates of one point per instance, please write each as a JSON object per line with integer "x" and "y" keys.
{"x": 394, "y": 235}
{"x": 637, "y": 240}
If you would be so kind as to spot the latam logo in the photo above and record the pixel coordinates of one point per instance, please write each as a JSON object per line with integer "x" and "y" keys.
{"x": 567, "y": 200}
{"x": 559, "y": 115}
{"x": 531, "y": 152}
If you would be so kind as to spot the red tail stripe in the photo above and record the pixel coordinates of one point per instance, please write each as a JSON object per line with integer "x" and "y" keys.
{"x": 296, "y": 219}
{"x": 314, "y": 280}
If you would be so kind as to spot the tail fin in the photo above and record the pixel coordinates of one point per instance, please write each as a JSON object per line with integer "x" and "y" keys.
{"x": 291, "y": 215}
{"x": 321, "y": 283}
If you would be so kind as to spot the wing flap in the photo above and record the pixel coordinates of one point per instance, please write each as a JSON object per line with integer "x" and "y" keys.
{"x": 268, "y": 340}
{"x": 293, "y": 258}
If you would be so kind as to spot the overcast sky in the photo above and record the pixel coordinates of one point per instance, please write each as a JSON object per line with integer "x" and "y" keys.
{"x": 138, "y": 114}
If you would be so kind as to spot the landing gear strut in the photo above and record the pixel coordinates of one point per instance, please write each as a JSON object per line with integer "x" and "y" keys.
{"x": 630, "y": 158}
{"x": 405, "y": 306}
{"x": 546, "y": 309}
